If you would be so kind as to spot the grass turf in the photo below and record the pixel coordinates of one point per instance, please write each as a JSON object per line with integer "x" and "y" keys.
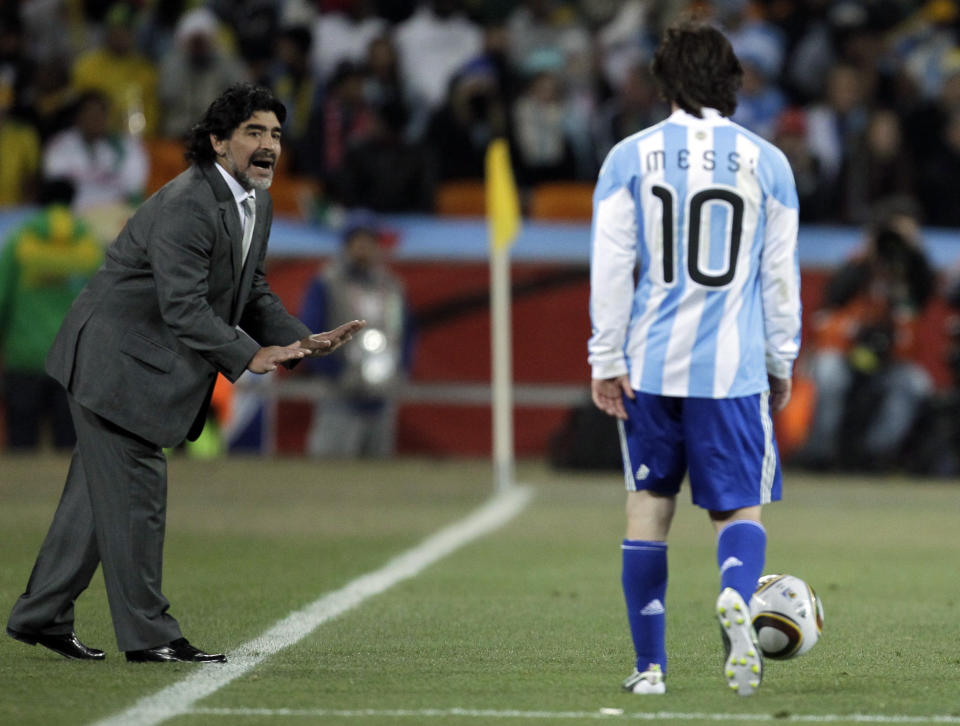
{"x": 528, "y": 619}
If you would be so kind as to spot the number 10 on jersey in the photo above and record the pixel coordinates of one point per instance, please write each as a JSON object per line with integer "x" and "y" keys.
{"x": 696, "y": 206}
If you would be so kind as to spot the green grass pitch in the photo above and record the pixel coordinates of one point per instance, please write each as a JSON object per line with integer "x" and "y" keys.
{"x": 528, "y": 620}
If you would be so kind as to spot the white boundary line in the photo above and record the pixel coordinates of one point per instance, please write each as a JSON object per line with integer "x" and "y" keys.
{"x": 599, "y": 715}
{"x": 181, "y": 697}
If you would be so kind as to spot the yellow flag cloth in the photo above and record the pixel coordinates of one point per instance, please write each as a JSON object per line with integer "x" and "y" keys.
{"x": 503, "y": 205}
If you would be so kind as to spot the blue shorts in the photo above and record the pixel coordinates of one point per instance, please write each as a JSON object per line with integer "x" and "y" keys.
{"x": 727, "y": 444}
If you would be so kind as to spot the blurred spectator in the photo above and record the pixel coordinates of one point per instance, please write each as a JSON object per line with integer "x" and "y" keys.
{"x": 383, "y": 86}
{"x": 879, "y": 166}
{"x": 870, "y": 387}
{"x": 940, "y": 177}
{"x": 16, "y": 69}
{"x": 105, "y": 168}
{"x": 546, "y": 37}
{"x": 298, "y": 89}
{"x": 119, "y": 72}
{"x": 926, "y": 40}
{"x": 255, "y": 24}
{"x": 43, "y": 266}
{"x": 537, "y": 26}
{"x": 157, "y": 26}
{"x": 582, "y": 91}
{"x": 626, "y": 43}
{"x": 494, "y": 59}
{"x": 194, "y": 72}
{"x": 20, "y": 152}
{"x": 52, "y": 98}
{"x": 926, "y": 124}
{"x": 833, "y": 124}
{"x": 761, "y": 101}
{"x": 52, "y": 28}
{"x": 347, "y": 119}
{"x": 344, "y": 34}
{"x": 543, "y": 148}
{"x": 358, "y": 417}
{"x": 433, "y": 44}
{"x": 790, "y": 136}
{"x": 461, "y": 129}
{"x": 386, "y": 173}
{"x": 634, "y": 106}
{"x": 394, "y": 11}
{"x": 821, "y": 35}
{"x": 296, "y": 13}
{"x": 752, "y": 36}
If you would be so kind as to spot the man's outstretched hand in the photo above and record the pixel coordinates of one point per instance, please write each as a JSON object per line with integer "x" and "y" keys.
{"x": 325, "y": 343}
{"x": 267, "y": 359}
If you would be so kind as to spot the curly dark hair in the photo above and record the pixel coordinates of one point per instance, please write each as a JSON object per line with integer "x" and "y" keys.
{"x": 234, "y": 106}
{"x": 695, "y": 66}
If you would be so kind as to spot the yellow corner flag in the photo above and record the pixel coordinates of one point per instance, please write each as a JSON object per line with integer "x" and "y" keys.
{"x": 503, "y": 205}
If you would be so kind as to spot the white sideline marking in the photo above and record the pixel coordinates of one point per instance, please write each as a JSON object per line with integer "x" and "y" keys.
{"x": 180, "y": 697}
{"x": 599, "y": 715}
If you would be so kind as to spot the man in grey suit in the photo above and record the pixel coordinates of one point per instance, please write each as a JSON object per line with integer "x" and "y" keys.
{"x": 181, "y": 297}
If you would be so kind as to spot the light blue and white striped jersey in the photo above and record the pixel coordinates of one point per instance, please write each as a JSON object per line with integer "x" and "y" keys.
{"x": 706, "y": 211}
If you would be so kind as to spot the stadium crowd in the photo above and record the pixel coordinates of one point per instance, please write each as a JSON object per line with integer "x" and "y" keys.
{"x": 390, "y": 98}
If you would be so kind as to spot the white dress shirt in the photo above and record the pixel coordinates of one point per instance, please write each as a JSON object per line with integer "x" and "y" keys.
{"x": 239, "y": 195}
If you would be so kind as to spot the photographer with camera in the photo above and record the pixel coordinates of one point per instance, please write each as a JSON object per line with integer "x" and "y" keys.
{"x": 870, "y": 387}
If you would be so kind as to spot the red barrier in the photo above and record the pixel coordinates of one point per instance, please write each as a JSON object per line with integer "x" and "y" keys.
{"x": 550, "y": 331}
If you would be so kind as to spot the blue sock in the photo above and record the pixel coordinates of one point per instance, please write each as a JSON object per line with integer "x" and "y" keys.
{"x": 741, "y": 550}
{"x": 645, "y": 590}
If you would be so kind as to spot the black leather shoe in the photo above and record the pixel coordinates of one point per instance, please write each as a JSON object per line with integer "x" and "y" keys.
{"x": 176, "y": 651}
{"x": 66, "y": 645}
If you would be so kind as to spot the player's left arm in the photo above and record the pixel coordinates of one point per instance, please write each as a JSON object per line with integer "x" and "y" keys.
{"x": 780, "y": 280}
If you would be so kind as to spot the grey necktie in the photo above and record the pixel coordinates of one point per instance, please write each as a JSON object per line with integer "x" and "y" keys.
{"x": 250, "y": 218}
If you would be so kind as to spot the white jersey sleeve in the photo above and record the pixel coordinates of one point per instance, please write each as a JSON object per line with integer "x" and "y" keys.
{"x": 780, "y": 274}
{"x": 613, "y": 257}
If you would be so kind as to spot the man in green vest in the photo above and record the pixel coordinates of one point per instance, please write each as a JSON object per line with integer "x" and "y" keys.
{"x": 43, "y": 266}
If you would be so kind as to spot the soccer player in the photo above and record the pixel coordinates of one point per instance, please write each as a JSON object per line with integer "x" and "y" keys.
{"x": 693, "y": 355}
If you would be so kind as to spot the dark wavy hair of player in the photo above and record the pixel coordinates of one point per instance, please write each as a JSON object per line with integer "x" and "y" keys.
{"x": 234, "y": 106}
{"x": 695, "y": 67}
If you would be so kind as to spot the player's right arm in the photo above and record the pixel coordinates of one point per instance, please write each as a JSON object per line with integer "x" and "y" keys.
{"x": 613, "y": 256}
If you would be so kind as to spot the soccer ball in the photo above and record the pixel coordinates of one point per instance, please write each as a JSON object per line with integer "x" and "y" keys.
{"x": 787, "y": 615}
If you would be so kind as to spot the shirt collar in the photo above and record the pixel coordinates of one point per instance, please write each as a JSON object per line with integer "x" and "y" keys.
{"x": 710, "y": 116}
{"x": 239, "y": 193}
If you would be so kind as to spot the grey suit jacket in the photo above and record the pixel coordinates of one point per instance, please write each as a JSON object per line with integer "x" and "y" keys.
{"x": 171, "y": 306}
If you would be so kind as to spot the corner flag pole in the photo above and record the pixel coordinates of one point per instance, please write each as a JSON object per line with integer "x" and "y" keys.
{"x": 503, "y": 223}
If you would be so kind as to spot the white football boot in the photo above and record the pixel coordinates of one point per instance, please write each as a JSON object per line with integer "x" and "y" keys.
{"x": 743, "y": 668}
{"x": 650, "y": 682}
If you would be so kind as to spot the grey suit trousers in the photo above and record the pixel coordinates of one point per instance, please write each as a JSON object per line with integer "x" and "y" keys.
{"x": 112, "y": 512}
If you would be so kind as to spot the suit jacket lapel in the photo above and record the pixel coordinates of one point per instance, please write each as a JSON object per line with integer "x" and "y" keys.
{"x": 230, "y": 218}
{"x": 256, "y": 245}
{"x": 231, "y": 221}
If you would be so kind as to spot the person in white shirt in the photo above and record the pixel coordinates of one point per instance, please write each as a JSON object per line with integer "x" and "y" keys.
{"x": 344, "y": 35}
{"x": 693, "y": 355}
{"x": 105, "y": 168}
{"x": 433, "y": 44}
